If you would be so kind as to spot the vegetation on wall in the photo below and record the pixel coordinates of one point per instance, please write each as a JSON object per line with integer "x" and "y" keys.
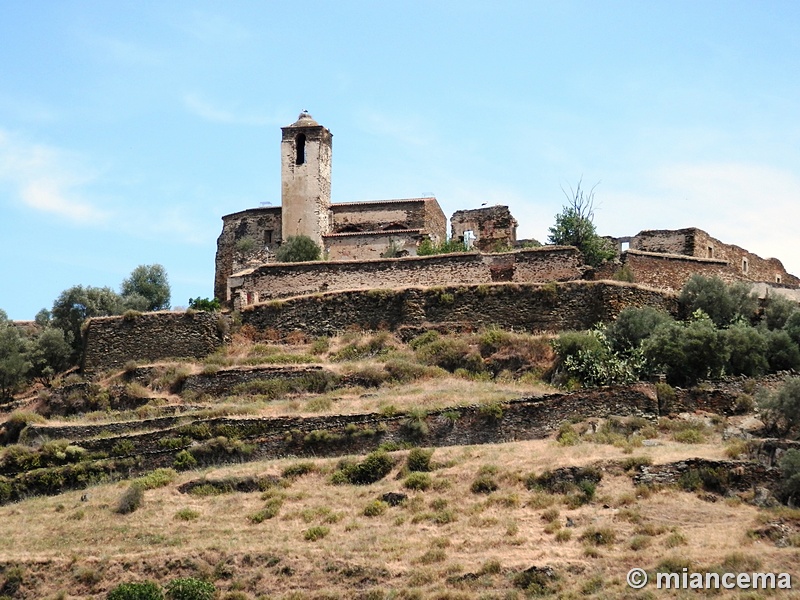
{"x": 575, "y": 227}
{"x": 428, "y": 248}
{"x": 298, "y": 248}
{"x": 724, "y": 333}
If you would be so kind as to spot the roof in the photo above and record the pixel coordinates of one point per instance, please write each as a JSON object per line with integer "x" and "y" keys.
{"x": 382, "y": 232}
{"x": 396, "y": 201}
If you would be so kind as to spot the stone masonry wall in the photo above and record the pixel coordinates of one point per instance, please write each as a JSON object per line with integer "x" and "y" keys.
{"x": 539, "y": 265}
{"x": 262, "y": 225}
{"x": 366, "y": 246}
{"x": 110, "y": 342}
{"x": 492, "y": 226}
{"x": 525, "y": 307}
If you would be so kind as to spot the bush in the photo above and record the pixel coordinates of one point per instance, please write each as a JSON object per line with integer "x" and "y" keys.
{"x": 722, "y": 303}
{"x": 633, "y": 326}
{"x": 588, "y": 358}
{"x": 190, "y": 588}
{"x": 312, "y": 534}
{"x": 790, "y": 474}
{"x": 485, "y": 482}
{"x": 783, "y": 353}
{"x": 298, "y": 248}
{"x": 781, "y": 408}
{"x": 419, "y": 459}
{"x": 184, "y": 461}
{"x": 147, "y": 590}
{"x": 777, "y": 311}
{"x": 131, "y": 499}
{"x": 450, "y": 354}
{"x": 418, "y": 481}
{"x": 748, "y": 349}
{"x": 374, "y": 467}
{"x": 375, "y": 508}
{"x": 156, "y": 479}
{"x": 687, "y": 352}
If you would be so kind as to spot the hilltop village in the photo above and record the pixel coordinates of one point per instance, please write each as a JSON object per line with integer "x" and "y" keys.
{"x": 503, "y": 421}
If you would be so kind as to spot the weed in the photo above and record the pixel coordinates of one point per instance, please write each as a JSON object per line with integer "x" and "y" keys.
{"x": 156, "y": 479}
{"x": 298, "y": 470}
{"x": 485, "y": 482}
{"x": 639, "y": 542}
{"x": 184, "y": 461}
{"x": 417, "y": 481}
{"x": 312, "y": 534}
{"x": 374, "y": 467}
{"x": 419, "y": 459}
{"x": 603, "y": 536}
{"x": 146, "y": 590}
{"x": 269, "y": 511}
{"x": 675, "y": 539}
{"x": 190, "y": 588}
{"x": 563, "y": 535}
{"x": 187, "y": 514}
{"x": 375, "y": 508}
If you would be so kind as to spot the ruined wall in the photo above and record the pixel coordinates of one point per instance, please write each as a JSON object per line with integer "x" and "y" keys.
{"x": 494, "y": 227}
{"x": 524, "y": 307}
{"x": 368, "y": 246}
{"x": 271, "y": 281}
{"x": 378, "y": 215}
{"x": 743, "y": 264}
{"x": 110, "y": 342}
{"x": 263, "y": 225}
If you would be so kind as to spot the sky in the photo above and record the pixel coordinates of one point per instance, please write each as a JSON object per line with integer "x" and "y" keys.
{"x": 128, "y": 129}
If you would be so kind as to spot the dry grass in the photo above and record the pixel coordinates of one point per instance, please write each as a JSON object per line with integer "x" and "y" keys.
{"x": 402, "y": 547}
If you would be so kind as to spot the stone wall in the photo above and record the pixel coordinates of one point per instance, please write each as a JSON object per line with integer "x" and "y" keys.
{"x": 262, "y": 225}
{"x": 742, "y": 264}
{"x": 524, "y": 307}
{"x": 537, "y": 265}
{"x": 412, "y": 213}
{"x": 371, "y": 245}
{"x": 110, "y": 342}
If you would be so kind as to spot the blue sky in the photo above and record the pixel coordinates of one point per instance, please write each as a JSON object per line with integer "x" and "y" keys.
{"x": 127, "y": 129}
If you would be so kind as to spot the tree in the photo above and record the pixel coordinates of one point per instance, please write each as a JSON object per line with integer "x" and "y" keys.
{"x": 633, "y": 325}
{"x": 687, "y": 352}
{"x": 78, "y": 303}
{"x": 147, "y": 288}
{"x": 781, "y": 408}
{"x": 575, "y": 227}
{"x": 13, "y": 360}
{"x": 204, "y": 304}
{"x": 721, "y": 302}
{"x": 298, "y": 248}
{"x": 50, "y": 354}
{"x": 748, "y": 350}
{"x": 777, "y": 310}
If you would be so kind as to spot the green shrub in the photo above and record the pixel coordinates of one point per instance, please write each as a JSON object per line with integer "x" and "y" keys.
{"x": 418, "y": 481}
{"x": 374, "y": 467}
{"x": 451, "y": 353}
{"x": 747, "y": 347}
{"x": 485, "y": 482}
{"x": 190, "y": 588}
{"x": 789, "y": 465}
{"x": 298, "y": 248}
{"x": 184, "y": 461}
{"x": 187, "y": 514}
{"x": 375, "y": 508}
{"x": 123, "y": 448}
{"x": 634, "y": 325}
{"x": 567, "y": 436}
{"x": 131, "y": 499}
{"x": 419, "y": 459}
{"x": 156, "y": 479}
{"x": 781, "y": 408}
{"x": 147, "y": 590}
{"x": 270, "y": 511}
{"x": 721, "y": 302}
{"x": 603, "y": 536}
{"x": 666, "y": 397}
{"x": 298, "y": 470}
{"x": 312, "y": 534}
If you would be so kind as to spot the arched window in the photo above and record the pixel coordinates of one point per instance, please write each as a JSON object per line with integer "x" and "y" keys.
{"x": 300, "y": 146}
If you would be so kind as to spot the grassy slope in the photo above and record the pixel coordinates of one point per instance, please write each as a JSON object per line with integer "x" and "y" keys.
{"x": 445, "y": 542}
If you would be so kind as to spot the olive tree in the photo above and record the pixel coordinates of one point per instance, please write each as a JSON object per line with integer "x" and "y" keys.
{"x": 147, "y": 288}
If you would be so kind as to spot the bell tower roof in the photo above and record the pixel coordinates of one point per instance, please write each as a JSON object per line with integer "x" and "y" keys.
{"x": 305, "y": 120}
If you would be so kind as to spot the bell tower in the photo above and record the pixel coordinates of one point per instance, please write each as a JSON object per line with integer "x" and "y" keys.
{"x": 306, "y": 179}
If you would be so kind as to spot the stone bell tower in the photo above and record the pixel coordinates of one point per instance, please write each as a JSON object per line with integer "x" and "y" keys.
{"x": 306, "y": 179}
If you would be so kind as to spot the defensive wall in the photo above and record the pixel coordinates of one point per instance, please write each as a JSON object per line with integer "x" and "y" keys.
{"x": 110, "y": 342}
{"x": 281, "y": 280}
{"x": 519, "y": 306}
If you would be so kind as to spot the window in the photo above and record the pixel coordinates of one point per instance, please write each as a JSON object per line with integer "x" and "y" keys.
{"x": 300, "y": 148}
{"x": 268, "y": 236}
{"x": 624, "y": 246}
{"x": 745, "y": 265}
{"x": 777, "y": 279}
{"x": 711, "y": 252}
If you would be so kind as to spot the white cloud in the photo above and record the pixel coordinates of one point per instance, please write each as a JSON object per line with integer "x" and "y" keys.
{"x": 47, "y": 179}
{"x": 208, "y": 111}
